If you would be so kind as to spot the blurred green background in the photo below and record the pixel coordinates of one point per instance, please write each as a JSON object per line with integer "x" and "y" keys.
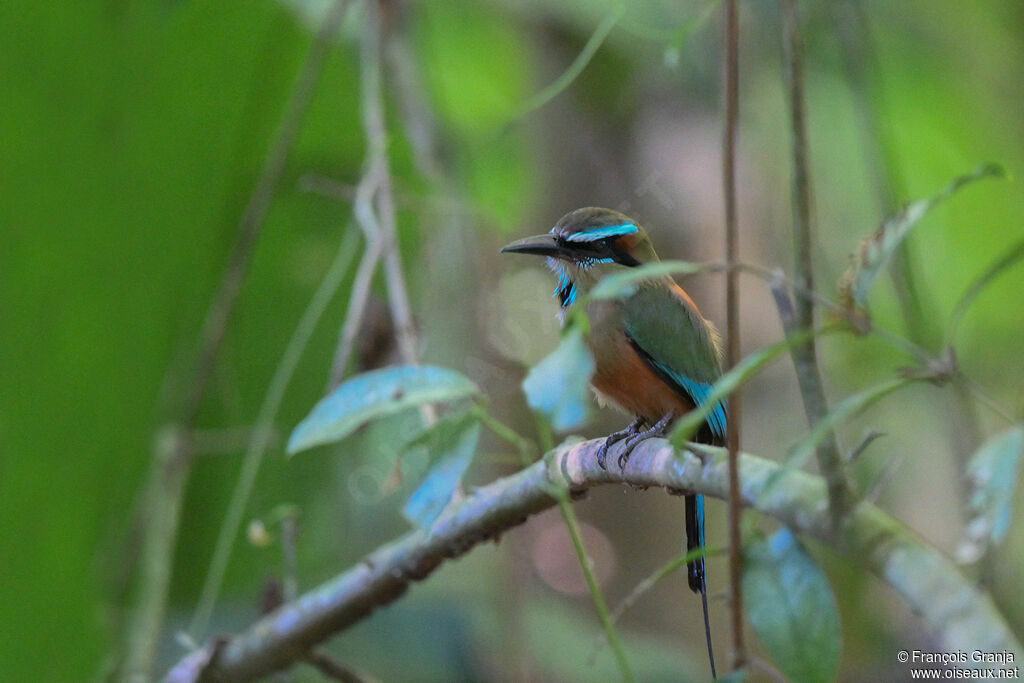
{"x": 132, "y": 133}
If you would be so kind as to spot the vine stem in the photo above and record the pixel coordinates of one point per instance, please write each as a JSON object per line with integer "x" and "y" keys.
{"x": 732, "y": 96}
{"x": 607, "y": 623}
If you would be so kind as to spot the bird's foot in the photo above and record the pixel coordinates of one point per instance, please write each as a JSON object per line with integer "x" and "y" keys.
{"x": 615, "y": 437}
{"x": 659, "y": 429}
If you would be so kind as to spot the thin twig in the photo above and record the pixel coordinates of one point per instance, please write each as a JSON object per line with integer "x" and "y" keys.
{"x": 263, "y": 429}
{"x": 732, "y": 96}
{"x": 382, "y": 219}
{"x": 374, "y": 209}
{"x": 165, "y": 490}
{"x": 359, "y": 295}
{"x": 805, "y": 355}
{"x": 958, "y": 613}
{"x": 166, "y": 485}
{"x": 865, "y": 441}
{"x": 526, "y": 450}
{"x": 607, "y": 623}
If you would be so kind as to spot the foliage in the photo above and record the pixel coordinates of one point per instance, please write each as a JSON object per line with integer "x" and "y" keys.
{"x": 994, "y": 472}
{"x": 373, "y": 395}
{"x": 791, "y": 607}
{"x": 558, "y": 387}
{"x": 133, "y": 133}
{"x": 875, "y": 251}
{"x": 451, "y": 444}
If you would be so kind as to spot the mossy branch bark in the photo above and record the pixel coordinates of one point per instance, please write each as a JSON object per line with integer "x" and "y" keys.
{"x": 961, "y": 616}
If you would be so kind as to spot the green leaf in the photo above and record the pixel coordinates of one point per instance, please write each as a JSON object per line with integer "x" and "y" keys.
{"x": 790, "y": 605}
{"x": 730, "y": 381}
{"x": 375, "y": 394}
{"x": 993, "y": 471}
{"x": 558, "y": 386}
{"x": 451, "y": 443}
{"x": 875, "y": 250}
{"x": 624, "y": 283}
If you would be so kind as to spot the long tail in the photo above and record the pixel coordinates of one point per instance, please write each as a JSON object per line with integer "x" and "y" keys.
{"x": 695, "y": 568}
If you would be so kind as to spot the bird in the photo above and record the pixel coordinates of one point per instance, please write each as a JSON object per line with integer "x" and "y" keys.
{"x": 655, "y": 355}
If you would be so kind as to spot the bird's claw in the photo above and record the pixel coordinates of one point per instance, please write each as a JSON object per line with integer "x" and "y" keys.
{"x": 657, "y": 430}
{"x": 624, "y": 457}
{"x": 614, "y": 438}
{"x": 627, "y": 450}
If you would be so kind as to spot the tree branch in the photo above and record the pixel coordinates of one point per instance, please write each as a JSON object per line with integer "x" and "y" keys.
{"x": 961, "y": 616}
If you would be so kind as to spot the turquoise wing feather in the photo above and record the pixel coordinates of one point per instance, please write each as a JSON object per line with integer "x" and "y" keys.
{"x": 678, "y": 343}
{"x": 682, "y": 348}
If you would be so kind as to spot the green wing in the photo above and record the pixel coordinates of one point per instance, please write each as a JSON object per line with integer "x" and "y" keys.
{"x": 678, "y": 343}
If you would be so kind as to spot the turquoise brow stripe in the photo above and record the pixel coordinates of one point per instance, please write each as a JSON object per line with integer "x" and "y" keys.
{"x": 601, "y": 233}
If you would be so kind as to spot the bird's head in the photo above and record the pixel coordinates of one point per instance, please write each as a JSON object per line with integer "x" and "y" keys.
{"x": 585, "y": 245}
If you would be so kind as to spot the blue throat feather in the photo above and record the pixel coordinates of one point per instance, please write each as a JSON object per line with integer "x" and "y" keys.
{"x": 565, "y": 292}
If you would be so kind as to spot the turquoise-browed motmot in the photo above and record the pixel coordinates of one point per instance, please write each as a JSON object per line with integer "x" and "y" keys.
{"x": 655, "y": 355}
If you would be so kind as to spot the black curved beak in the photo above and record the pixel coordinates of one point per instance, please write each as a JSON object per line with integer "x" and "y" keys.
{"x": 541, "y": 245}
